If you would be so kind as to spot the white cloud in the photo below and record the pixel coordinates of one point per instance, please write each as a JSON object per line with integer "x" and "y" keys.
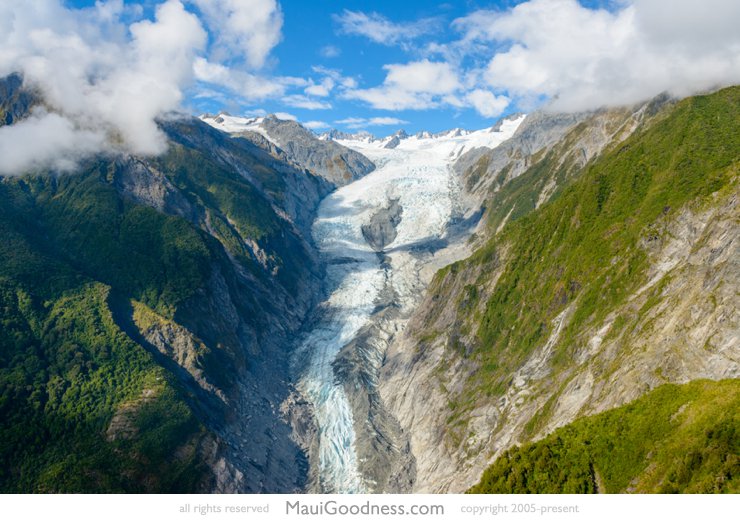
{"x": 107, "y": 87}
{"x": 411, "y": 86}
{"x": 285, "y": 116}
{"x": 315, "y": 125}
{"x": 362, "y": 122}
{"x": 422, "y": 76}
{"x": 486, "y": 103}
{"x": 340, "y": 80}
{"x": 380, "y": 29}
{"x": 45, "y": 140}
{"x": 330, "y": 51}
{"x": 321, "y": 89}
{"x": 250, "y": 87}
{"x": 299, "y": 101}
{"x": 585, "y": 58}
{"x": 386, "y": 121}
{"x": 248, "y": 29}
{"x": 350, "y": 121}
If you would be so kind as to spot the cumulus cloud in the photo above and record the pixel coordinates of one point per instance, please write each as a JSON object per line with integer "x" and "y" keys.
{"x": 381, "y": 30}
{"x": 585, "y": 58}
{"x": 106, "y": 82}
{"x": 322, "y": 88}
{"x": 425, "y": 84}
{"x": 487, "y": 103}
{"x": 416, "y": 85}
{"x": 250, "y": 29}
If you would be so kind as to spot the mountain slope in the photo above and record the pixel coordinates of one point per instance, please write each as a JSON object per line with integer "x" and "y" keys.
{"x": 293, "y": 143}
{"x": 147, "y": 305}
{"x": 674, "y": 438}
{"x": 622, "y": 282}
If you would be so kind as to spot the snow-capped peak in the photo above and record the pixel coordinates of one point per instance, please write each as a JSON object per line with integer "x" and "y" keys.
{"x": 450, "y": 143}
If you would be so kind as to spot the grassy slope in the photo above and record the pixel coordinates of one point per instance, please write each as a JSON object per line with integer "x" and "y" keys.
{"x": 583, "y": 248}
{"x": 676, "y": 438}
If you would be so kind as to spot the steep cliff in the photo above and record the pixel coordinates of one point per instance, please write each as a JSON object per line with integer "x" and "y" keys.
{"x": 606, "y": 268}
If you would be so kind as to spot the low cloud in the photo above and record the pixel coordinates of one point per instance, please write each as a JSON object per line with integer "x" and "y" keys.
{"x": 105, "y": 83}
{"x": 45, "y": 140}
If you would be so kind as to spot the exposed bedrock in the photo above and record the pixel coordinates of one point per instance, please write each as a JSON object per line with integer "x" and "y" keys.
{"x": 382, "y": 228}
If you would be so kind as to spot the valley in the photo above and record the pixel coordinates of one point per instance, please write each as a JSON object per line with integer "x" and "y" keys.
{"x": 351, "y": 314}
{"x": 368, "y": 278}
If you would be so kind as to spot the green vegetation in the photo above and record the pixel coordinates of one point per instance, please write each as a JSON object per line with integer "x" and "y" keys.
{"x": 584, "y": 247}
{"x": 66, "y": 367}
{"x": 674, "y": 439}
{"x": 154, "y": 258}
{"x": 237, "y": 210}
{"x": 83, "y": 405}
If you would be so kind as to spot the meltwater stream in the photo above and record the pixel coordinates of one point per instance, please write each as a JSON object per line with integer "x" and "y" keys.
{"x": 418, "y": 174}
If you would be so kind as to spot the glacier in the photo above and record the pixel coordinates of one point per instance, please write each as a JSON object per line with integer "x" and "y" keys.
{"x": 417, "y": 172}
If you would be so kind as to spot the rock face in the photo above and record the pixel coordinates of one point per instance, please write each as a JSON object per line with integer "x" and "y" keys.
{"x": 332, "y": 161}
{"x": 292, "y": 143}
{"x": 381, "y": 230}
{"x": 692, "y": 333}
{"x": 243, "y": 320}
{"x": 15, "y": 102}
{"x": 393, "y": 143}
{"x": 676, "y": 324}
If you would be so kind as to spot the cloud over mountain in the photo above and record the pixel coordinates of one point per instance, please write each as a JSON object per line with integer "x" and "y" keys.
{"x": 584, "y": 58}
{"x": 104, "y": 83}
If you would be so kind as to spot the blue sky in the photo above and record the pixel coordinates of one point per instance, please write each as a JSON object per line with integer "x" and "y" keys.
{"x": 114, "y": 66}
{"x": 313, "y": 37}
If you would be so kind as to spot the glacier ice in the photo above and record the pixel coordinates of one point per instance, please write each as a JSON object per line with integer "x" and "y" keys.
{"x": 418, "y": 173}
